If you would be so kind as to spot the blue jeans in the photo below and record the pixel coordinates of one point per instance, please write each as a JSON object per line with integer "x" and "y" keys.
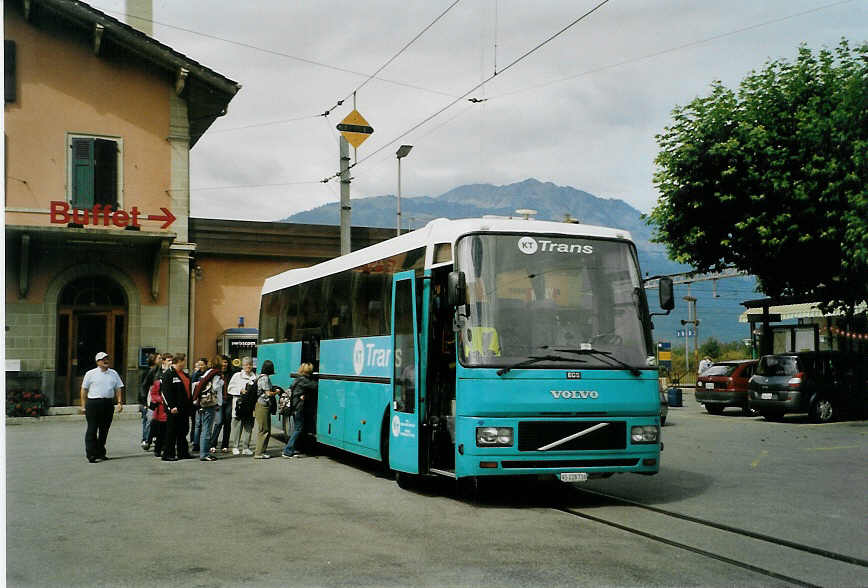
{"x": 205, "y": 418}
{"x": 298, "y": 427}
{"x": 197, "y": 428}
{"x": 222, "y": 420}
{"x": 146, "y": 424}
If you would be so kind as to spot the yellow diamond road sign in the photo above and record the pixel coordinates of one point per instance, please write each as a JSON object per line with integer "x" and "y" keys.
{"x": 355, "y": 129}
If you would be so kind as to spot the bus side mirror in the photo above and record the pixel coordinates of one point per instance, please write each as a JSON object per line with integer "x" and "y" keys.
{"x": 456, "y": 290}
{"x": 667, "y": 294}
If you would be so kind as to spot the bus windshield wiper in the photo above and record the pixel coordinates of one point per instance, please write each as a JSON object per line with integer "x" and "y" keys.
{"x": 599, "y": 352}
{"x": 534, "y": 359}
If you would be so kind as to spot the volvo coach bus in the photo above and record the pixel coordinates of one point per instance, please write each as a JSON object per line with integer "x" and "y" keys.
{"x": 477, "y": 347}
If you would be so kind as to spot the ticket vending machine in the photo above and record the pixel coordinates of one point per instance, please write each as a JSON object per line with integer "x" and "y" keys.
{"x": 237, "y": 343}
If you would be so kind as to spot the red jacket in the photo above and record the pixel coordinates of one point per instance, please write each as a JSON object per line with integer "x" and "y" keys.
{"x": 156, "y": 398}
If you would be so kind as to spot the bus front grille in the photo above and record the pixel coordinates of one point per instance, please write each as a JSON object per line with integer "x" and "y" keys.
{"x": 570, "y": 463}
{"x": 532, "y": 435}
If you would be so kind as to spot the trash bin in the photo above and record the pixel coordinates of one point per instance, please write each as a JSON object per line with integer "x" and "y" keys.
{"x": 674, "y": 396}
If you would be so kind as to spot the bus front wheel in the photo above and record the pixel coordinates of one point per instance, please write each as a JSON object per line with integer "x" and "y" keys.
{"x": 470, "y": 488}
{"x": 406, "y": 481}
{"x": 386, "y": 470}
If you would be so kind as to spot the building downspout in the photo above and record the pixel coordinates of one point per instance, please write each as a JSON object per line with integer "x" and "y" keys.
{"x": 195, "y": 272}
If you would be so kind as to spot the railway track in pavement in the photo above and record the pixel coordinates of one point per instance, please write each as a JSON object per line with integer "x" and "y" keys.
{"x": 789, "y": 561}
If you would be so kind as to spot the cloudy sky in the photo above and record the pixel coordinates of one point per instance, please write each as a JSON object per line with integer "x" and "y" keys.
{"x": 580, "y": 111}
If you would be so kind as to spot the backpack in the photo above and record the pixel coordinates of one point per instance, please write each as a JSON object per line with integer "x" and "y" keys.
{"x": 154, "y": 394}
{"x": 247, "y": 401}
{"x": 208, "y": 396}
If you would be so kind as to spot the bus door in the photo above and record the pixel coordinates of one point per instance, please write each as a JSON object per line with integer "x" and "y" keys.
{"x": 404, "y": 430}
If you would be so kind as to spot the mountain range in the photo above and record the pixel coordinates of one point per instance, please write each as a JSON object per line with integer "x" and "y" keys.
{"x": 718, "y": 306}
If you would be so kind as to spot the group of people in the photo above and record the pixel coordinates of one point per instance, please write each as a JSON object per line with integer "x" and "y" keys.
{"x": 215, "y": 399}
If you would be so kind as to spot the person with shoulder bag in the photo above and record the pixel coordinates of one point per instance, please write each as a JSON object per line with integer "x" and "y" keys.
{"x": 158, "y": 422}
{"x": 242, "y": 408}
{"x": 262, "y": 412}
{"x": 175, "y": 390}
{"x": 209, "y": 396}
{"x": 303, "y": 386}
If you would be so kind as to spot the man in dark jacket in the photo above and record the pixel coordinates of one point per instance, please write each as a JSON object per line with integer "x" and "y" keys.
{"x": 175, "y": 386}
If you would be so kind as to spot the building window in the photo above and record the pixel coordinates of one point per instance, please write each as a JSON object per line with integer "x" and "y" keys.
{"x": 95, "y": 173}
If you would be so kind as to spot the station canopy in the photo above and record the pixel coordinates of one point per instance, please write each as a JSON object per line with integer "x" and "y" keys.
{"x": 754, "y": 312}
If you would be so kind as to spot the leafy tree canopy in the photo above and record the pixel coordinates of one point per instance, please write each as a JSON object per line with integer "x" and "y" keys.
{"x": 711, "y": 348}
{"x": 773, "y": 179}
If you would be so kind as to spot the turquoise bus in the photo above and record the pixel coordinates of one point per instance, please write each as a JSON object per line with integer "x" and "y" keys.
{"x": 477, "y": 347}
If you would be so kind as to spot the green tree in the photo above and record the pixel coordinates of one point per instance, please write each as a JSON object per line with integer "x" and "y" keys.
{"x": 711, "y": 348}
{"x": 773, "y": 179}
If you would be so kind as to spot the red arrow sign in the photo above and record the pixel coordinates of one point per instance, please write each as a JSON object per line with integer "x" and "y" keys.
{"x": 167, "y": 217}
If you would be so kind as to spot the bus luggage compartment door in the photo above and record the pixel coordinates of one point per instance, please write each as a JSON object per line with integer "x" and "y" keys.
{"x": 404, "y": 412}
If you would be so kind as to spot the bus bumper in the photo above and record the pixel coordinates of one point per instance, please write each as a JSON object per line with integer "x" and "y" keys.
{"x": 606, "y": 450}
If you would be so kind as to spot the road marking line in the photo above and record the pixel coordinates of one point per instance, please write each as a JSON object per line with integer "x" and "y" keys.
{"x": 832, "y": 448}
{"x": 755, "y": 462}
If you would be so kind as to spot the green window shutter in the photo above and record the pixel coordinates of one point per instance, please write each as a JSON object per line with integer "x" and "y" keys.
{"x": 105, "y": 178}
{"x": 82, "y": 173}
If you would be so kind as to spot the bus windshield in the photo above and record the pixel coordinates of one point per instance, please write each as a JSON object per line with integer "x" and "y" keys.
{"x": 559, "y": 301}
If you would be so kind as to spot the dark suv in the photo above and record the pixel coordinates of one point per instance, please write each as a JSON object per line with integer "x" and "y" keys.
{"x": 725, "y": 384}
{"x": 825, "y": 384}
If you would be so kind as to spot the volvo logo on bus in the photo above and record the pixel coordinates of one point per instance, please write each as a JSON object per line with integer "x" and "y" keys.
{"x": 578, "y": 394}
{"x": 528, "y": 245}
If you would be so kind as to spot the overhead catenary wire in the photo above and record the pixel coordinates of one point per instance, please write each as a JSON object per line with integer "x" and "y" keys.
{"x": 391, "y": 59}
{"x": 671, "y": 49}
{"x": 272, "y": 185}
{"x": 588, "y": 72}
{"x": 514, "y": 62}
{"x": 275, "y": 52}
{"x": 544, "y": 84}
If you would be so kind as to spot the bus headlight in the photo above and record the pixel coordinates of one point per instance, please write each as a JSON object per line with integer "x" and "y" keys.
{"x": 645, "y": 434}
{"x": 494, "y": 436}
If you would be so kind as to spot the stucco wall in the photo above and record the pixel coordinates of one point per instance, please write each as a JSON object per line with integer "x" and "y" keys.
{"x": 64, "y": 88}
{"x": 229, "y": 288}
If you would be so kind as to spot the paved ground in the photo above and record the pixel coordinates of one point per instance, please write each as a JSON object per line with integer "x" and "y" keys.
{"x": 332, "y": 521}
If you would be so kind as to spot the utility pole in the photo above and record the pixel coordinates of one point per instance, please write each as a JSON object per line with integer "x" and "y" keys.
{"x": 345, "y": 195}
{"x": 691, "y": 320}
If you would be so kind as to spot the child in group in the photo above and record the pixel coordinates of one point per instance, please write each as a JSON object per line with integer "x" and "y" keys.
{"x": 158, "y": 421}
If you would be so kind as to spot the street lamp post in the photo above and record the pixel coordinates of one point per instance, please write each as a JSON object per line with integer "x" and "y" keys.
{"x": 401, "y": 153}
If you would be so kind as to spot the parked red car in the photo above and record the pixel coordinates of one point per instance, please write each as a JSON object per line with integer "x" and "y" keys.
{"x": 725, "y": 384}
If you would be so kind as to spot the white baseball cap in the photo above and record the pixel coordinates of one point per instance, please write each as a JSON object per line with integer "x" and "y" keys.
{"x": 101, "y": 355}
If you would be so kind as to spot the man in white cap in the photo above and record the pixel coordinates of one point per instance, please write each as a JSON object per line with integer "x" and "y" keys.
{"x": 98, "y": 390}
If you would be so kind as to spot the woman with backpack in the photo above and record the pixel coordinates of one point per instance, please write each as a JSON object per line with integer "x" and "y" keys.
{"x": 262, "y": 412}
{"x": 242, "y": 408}
{"x": 158, "y": 418}
{"x": 303, "y": 386}
{"x": 208, "y": 396}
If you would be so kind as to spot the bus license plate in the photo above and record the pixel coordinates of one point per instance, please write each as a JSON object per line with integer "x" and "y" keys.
{"x": 767, "y": 396}
{"x": 574, "y": 477}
